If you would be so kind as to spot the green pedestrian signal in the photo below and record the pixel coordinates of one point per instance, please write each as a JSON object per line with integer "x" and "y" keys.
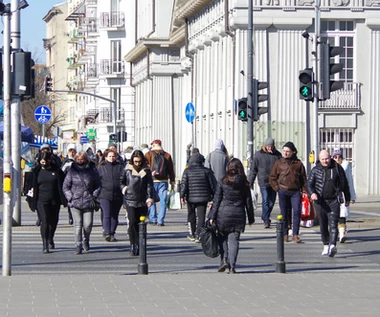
{"x": 243, "y": 109}
{"x": 306, "y": 81}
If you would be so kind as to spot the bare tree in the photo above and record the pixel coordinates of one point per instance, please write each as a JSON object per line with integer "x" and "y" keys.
{"x": 29, "y": 106}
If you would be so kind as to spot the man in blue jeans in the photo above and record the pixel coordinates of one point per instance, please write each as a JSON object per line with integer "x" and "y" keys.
{"x": 161, "y": 165}
{"x": 261, "y": 165}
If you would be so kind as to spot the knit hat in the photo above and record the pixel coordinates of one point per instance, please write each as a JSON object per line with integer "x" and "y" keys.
{"x": 219, "y": 145}
{"x": 156, "y": 142}
{"x": 45, "y": 146}
{"x": 269, "y": 142}
{"x": 291, "y": 146}
{"x": 337, "y": 152}
{"x": 71, "y": 147}
{"x": 111, "y": 144}
{"x": 195, "y": 151}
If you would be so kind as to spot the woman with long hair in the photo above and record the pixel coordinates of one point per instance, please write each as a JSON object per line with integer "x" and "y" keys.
{"x": 81, "y": 187}
{"x": 110, "y": 196}
{"x": 47, "y": 196}
{"x": 136, "y": 184}
{"x": 231, "y": 205}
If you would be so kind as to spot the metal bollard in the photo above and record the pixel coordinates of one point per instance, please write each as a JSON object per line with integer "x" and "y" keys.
{"x": 142, "y": 267}
{"x": 280, "y": 265}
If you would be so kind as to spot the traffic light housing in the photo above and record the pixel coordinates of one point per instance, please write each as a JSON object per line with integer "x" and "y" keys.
{"x": 48, "y": 84}
{"x": 328, "y": 68}
{"x": 258, "y": 97}
{"x": 243, "y": 109}
{"x": 306, "y": 82}
{"x": 113, "y": 138}
{"x": 122, "y": 136}
{"x": 23, "y": 74}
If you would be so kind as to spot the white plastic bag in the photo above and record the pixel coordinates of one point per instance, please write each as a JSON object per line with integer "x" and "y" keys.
{"x": 255, "y": 196}
{"x": 174, "y": 201}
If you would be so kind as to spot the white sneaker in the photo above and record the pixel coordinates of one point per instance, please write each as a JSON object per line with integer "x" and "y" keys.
{"x": 332, "y": 251}
{"x": 325, "y": 250}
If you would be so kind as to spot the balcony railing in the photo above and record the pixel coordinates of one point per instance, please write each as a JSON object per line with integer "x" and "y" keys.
{"x": 112, "y": 19}
{"x": 92, "y": 71}
{"x": 89, "y": 25}
{"x": 104, "y": 115}
{"x": 347, "y": 98}
{"x": 111, "y": 67}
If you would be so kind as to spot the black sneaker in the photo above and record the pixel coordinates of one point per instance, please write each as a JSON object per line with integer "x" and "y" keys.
{"x": 51, "y": 244}
{"x": 267, "y": 224}
{"x": 223, "y": 266}
{"x": 86, "y": 246}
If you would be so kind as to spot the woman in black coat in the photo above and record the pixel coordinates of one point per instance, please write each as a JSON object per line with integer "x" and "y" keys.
{"x": 81, "y": 187}
{"x": 46, "y": 196}
{"x": 110, "y": 196}
{"x": 136, "y": 184}
{"x": 197, "y": 189}
{"x": 232, "y": 202}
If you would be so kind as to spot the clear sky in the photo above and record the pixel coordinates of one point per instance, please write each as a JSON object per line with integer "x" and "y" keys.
{"x": 33, "y": 28}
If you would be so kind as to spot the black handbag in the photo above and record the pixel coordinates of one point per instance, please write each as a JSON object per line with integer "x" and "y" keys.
{"x": 209, "y": 240}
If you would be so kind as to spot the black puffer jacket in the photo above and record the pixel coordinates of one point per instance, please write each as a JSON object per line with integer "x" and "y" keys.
{"x": 110, "y": 178}
{"x": 81, "y": 185}
{"x": 198, "y": 182}
{"x": 316, "y": 180}
{"x": 33, "y": 184}
{"x": 231, "y": 204}
{"x": 137, "y": 186}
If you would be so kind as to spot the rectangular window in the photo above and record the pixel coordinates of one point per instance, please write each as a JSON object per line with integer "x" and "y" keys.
{"x": 341, "y": 33}
{"x": 331, "y": 139}
{"x": 116, "y": 58}
{"x": 116, "y": 95}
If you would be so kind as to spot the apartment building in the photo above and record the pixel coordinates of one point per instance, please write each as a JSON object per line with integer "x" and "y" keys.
{"x": 196, "y": 51}
{"x": 100, "y": 100}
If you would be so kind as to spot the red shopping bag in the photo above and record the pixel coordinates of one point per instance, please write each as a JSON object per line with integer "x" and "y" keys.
{"x": 307, "y": 208}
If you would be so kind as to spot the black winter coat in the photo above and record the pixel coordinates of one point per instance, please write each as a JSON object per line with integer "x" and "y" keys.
{"x": 137, "y": 186}
{"x": 32, "y": 182}
{"x": 110, "y": 178}
{"x": 316, "y": 180}
{"x": 198, "y": 183}
{"x": 82, "y": 185}
{"x": 231, "y": 204}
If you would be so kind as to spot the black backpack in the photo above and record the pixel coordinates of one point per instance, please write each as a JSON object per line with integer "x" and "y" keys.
{"x": 160, "y": 165}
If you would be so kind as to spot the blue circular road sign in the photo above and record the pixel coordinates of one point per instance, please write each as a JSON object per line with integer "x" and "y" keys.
{"x": 42, "y": 114}
{"x": 190, "y": 112}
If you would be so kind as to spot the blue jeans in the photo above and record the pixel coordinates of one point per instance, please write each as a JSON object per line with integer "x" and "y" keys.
{"x": 111, "y": 209}
{"x": 268, "y": 196}
{"x": 162, "y": 191}
{"x": 289, "y": 201}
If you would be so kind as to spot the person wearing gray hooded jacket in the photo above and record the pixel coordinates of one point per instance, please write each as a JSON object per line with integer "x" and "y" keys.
{"x": 261, "y": 166}
{"x": 217, "y": 160}
{"x": 197, "y": 189}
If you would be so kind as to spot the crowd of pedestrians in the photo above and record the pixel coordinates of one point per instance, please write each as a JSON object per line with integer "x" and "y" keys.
{"x": 88, "y": 181}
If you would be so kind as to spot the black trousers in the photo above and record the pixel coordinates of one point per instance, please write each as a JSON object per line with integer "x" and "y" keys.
{"x": 194, "y": 211}
{"x": 49, "y": 216}
{"x": 134, "y": 214}
{"x": 328, "y": 213}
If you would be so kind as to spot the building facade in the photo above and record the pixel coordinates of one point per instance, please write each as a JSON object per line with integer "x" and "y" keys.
{"x": 201, "y": 57}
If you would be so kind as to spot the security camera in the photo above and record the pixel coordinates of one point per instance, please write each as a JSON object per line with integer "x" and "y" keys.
{"x": 305, "y": 34}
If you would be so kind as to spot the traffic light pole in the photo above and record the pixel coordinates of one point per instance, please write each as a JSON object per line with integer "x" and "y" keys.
{"x": 317, "y": 32}
{"x": 16, "y": 122}
{"x": 7, "y": 179}
{"x": 250, "y": 94}
{"x": 79, "y": 92}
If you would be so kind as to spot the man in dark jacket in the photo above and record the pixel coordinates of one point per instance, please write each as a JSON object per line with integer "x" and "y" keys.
{"x": 288, "y": 179}
{"x": 261, "y": 167}
{"x": 197, "y": 188}
{"x": 325, "y": 184}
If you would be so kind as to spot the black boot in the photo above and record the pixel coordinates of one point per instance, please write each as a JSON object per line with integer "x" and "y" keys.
{"x": 51, "y": 243}
{"x": 136, "y": 250}
{"x": 45, "y": 248}
{"x": 132, "y": 250}
{"x": 223, "y": 265}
